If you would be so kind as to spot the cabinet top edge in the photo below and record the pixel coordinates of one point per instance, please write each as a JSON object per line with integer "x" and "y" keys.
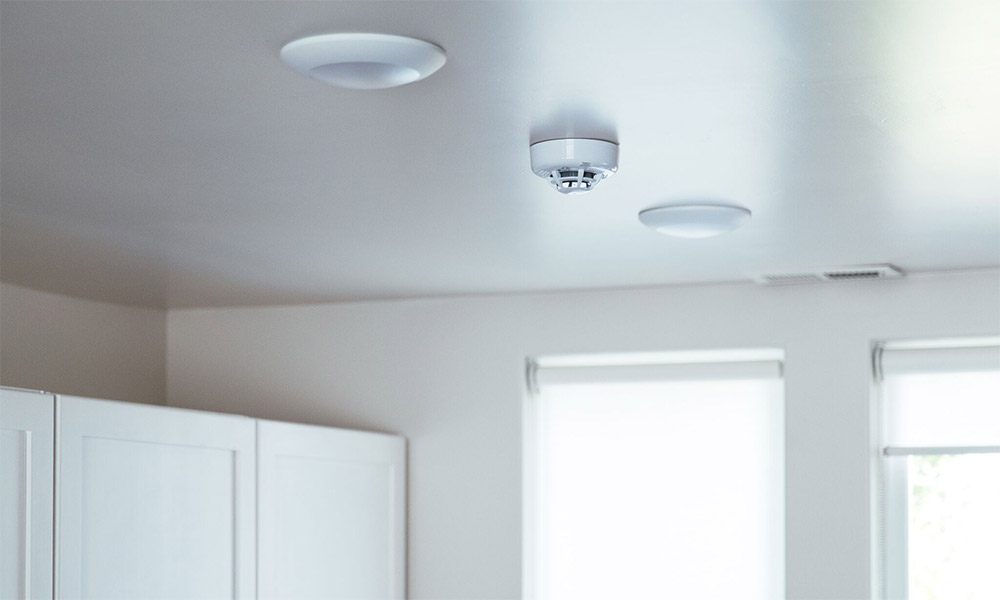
{"x": 29, "y": 390}
{"x": 292, "y": 424}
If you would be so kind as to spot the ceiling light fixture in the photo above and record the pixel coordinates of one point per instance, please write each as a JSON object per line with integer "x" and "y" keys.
{"x": 574, "y": 165}
{"x": 363, "y": 61}
{"x": 694, "y": 220}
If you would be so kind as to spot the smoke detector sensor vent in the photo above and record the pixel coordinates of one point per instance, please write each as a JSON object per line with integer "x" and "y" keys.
{"x": 574, "y": 165}
{"x": 831, "y": 274}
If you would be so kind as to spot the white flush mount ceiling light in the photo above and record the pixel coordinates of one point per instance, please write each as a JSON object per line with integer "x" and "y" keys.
{"x": 574, "y": 165}
{"x": 694, "y": 220}
{"x": 363, "y": 61}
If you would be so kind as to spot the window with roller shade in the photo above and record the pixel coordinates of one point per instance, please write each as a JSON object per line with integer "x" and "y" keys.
{"x": 655, "y": 477}
{"x": 940, "y": 469}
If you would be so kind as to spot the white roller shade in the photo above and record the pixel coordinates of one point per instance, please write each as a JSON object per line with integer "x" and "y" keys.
{"x": 721, "y": 371}
{"x": 940, "y": 397}
{"x": 646, "y": 480}
{"x": 940, "y": 360}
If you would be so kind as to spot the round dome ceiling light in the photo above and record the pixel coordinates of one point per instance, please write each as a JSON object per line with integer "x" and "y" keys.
{"x": 694, "y": 220}
{"x": 363, "y": 61}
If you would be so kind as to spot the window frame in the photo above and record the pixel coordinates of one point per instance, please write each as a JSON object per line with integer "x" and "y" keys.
{"x": 891, "y": 565}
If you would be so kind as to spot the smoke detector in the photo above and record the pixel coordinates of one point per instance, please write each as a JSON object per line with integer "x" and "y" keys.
{"x": 574, "y": 165}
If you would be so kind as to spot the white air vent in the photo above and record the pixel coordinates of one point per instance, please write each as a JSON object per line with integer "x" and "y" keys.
{"x": 830, "y": 274}
{"x": 788, "y": 278}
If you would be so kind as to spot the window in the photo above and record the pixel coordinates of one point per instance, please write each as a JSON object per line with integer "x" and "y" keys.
{"x": 655, "y": 477}
{"x": 940, "y": 446}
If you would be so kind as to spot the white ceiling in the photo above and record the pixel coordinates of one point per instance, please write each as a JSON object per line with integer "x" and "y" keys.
{"x": 160, "y": 153}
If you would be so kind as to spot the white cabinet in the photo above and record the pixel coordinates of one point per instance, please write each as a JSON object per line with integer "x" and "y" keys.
{"x": 154, "y": 502}
{"x": 106, "y": 500}
{"x": 26, "y": 422}
{"x": 331, "y": 516}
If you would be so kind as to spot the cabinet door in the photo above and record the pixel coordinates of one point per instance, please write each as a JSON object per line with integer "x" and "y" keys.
{"x": 26, "y": 424}
{"x": 331, "y": 514}
{"x": 154, "y": 502}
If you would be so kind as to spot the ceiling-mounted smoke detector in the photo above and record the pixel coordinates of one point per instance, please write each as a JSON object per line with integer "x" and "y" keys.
{"x": 363, "y": 61}
{"x": 884, "y": 271}
{"x": 574, "y": 165}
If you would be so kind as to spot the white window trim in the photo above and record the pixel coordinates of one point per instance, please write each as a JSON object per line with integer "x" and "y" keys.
{"x": 914, "y": 451}
{"x": 895, "y": 531}
{"x": 891, "y": 560}
{"x": 529, "y": 479}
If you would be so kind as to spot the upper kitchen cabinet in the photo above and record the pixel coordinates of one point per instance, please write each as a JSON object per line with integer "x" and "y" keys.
{"x": 154, "y": 502}
{"x": 26, "y": 424}
{"x": 332, "y": 520}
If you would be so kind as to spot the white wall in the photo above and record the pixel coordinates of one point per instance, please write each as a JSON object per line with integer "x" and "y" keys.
{"x": 68, "y": 345}
{"x": 448, "y": 374}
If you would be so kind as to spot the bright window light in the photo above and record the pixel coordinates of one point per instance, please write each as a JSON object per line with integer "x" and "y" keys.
{"x": 656, "y": 482}
{"x": 953, "y": 528}
{"x": 941, "y": 472}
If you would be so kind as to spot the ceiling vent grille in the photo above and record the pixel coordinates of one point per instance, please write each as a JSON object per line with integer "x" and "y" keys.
{"x": 830, "y": 274}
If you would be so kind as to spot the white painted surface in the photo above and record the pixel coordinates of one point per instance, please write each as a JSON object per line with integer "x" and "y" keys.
{"x": 332, "y": 513}
{"x": 73, "y": 346}
{"x": 856, "y": 132}
{"x": 26, "y": 473}
{"x": 449, "y": 375}
{"x": 154, "y": 503}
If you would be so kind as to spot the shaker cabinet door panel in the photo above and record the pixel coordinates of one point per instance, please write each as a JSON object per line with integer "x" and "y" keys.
{"x": 154, "y": 502}
{"x": 26, "y": 466}
{"x": 331, "y": 513}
